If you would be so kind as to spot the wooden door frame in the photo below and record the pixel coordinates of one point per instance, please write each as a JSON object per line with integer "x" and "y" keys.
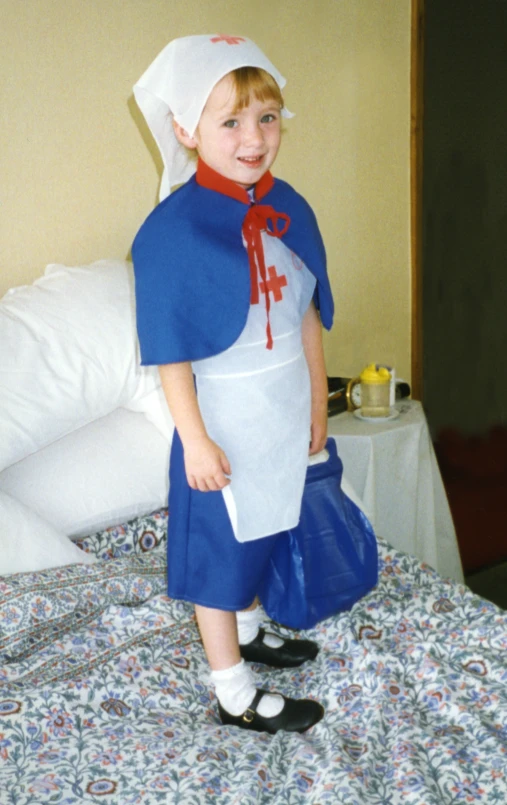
{"x": 416, "y": 187}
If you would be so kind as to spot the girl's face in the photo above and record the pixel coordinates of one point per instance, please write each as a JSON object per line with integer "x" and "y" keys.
{"x": 240, "y": 145}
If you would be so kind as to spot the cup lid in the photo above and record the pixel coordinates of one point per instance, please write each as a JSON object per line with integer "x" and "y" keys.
{"x": 375, "y": 374}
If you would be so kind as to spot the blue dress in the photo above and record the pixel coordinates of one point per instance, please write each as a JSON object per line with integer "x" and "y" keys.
{"x": 255, "y": 401}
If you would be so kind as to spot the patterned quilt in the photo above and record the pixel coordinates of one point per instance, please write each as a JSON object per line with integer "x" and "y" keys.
{"x": 104, "y": 694}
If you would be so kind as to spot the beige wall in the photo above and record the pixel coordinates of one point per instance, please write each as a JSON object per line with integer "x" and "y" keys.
{"x": 77, "y": 178}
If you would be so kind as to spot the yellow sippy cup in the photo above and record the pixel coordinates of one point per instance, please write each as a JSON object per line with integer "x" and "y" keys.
{"x": 375, "y": 388}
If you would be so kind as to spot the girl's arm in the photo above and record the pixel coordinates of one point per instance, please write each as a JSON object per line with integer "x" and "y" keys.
{"x": 206, "y": 464}
{"x": 314, "y": 352}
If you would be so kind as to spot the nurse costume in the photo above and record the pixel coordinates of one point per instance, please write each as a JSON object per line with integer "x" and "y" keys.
{"x": 223, "y": 279}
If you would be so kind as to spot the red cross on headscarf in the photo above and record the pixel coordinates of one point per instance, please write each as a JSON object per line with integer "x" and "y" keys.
{"x": 231, "y": 40}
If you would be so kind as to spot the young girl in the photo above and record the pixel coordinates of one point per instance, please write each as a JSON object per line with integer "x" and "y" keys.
{"x": 230, "y": 273}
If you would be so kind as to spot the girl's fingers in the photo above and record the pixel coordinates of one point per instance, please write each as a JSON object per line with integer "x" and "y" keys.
{"x": 225, "y": 465}
{"x": 211, "y": 484}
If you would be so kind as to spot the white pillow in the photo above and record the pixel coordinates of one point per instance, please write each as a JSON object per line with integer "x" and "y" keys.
{"x": 68, "y": 354}
{"x": 27, "y": 543}
{"x": 108, "y": 472}
{"x": 150, "y": 400}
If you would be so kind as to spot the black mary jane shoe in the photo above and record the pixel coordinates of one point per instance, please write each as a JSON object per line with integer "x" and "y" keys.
{"x": 289, "y": 655}
{"x": 297, "y": 715}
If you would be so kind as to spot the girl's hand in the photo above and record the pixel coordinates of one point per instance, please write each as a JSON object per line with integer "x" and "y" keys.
{"x": 206, "y": 465}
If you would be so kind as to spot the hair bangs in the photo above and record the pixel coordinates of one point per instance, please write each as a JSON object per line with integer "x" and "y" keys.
{"x": 255, "y": 82}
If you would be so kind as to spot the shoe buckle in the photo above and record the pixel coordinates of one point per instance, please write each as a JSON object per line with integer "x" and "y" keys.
{"x": 248, "y": 715}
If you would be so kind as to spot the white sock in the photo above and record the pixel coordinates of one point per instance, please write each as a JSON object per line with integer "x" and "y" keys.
{"x": 248, "y": 628}
{"x": 248, "y": 624}
{"x": 235, "y": 690}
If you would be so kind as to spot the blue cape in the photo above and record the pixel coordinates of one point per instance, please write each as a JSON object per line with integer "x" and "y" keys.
{"x": 192, "y": 273}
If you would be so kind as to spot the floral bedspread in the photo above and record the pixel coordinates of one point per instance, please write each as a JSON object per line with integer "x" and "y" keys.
{"x": 104, "y": 695}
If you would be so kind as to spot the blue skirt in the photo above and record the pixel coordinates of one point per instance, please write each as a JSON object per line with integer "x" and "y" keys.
{"x": 205, "y": 563}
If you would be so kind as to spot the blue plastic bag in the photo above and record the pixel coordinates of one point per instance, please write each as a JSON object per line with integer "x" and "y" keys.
{"x": 329, "y": 561}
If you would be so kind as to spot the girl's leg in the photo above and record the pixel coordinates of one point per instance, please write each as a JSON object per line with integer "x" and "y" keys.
{"x": 220, "y": 637}
{"x": 240, "y": 703}
{"x": 232, "y": 678}
{"x": 219, "y": 632}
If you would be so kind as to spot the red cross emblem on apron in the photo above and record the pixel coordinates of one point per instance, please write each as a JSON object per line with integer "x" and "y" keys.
{"x": 274, "y": 284}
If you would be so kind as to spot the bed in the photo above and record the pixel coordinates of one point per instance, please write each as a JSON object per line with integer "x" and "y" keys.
{"x": 104, "y": 694}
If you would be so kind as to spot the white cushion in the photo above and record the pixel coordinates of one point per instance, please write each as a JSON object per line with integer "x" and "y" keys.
{"x": 68, "y": 354}
{"x": 150, "y": 400}
{"x": 28, "y": 543}
{"x": 105, "y": 473}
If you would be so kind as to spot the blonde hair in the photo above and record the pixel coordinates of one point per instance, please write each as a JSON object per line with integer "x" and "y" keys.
{"x": 256, "y": 82}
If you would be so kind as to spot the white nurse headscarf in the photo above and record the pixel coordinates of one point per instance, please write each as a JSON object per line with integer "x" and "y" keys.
{"x": 177, "y": 85}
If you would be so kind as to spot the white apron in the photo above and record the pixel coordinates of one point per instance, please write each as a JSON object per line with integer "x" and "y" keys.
{"x": 255, "y": 403}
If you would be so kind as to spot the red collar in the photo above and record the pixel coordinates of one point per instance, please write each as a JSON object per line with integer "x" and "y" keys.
{"x": 207, "y": 177}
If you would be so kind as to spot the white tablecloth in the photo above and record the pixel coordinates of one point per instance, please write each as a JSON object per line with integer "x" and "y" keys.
{"x": 393, "y": 469}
